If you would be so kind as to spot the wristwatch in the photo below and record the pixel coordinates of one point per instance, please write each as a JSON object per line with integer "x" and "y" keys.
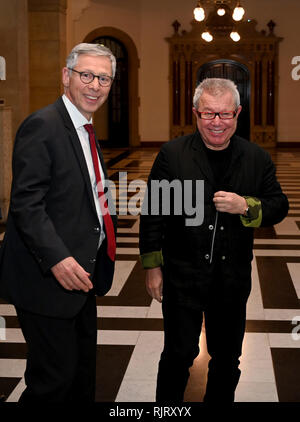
{"x": 246, "y": 213}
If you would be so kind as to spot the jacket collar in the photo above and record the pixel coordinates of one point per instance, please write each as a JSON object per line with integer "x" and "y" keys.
{"x": 201, "y": 160}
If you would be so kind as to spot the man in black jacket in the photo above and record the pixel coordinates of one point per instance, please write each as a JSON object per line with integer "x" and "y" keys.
{"x": 204, "y": 267}
{"x": 59, "y": 244}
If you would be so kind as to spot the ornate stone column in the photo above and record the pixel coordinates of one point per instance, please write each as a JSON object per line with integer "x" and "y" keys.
{"x": 47, "y": 50}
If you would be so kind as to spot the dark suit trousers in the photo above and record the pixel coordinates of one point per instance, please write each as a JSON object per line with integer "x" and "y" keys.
{"x": 61, "y": 360}
{"x": 224, "y": 327}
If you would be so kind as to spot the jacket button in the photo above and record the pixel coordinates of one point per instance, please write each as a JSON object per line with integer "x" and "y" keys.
{"x": 223, "y": 258}
{"x": 206, "y": 256}
{"x": 211, "y": 227}
{"x": 222, "y": 228}
{"x": 93, "y": 260}
{"x": 96, "y": 230}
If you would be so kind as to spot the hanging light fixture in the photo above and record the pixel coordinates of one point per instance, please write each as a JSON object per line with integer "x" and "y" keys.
{"x": 238, "y": 12}
{"x": 220, "y": 19}
{"x": 235, "y": 36}
{"x": 199, "y": 13}
{"x": 207, "y": 36}
{"x": 221, "y": 10}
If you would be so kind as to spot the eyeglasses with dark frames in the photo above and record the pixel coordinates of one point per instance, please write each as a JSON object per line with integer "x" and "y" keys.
{"x": 210, "y": 115}
{"x": 88, "y": 77}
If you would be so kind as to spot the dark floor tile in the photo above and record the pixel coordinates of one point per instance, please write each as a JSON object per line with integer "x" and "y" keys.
{"x": 287, "y": 373}
{"x": 126, "y": 223}
{"x": 134, "y": 291}
{"x": 112, "y": 362}
{"x": 7, "y": 385}
{"x": 265, "y": 233}
{"x": 11, "y": 322}
{"x": 258, "y": 326}
{"x": 131, "y": 245}
{"x": 13, "y": 351}
{"x": 115, "y": 160}
{"x": 135, "y": 324}
{"x": 277, "y": 288}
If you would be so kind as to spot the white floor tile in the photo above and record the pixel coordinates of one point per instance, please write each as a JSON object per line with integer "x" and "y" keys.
{"x": 294, "y": 269}
{"x": 117, "y": 337}
{"x": 16, "y": 393}
{"x": 122, "y": 311}
{"x": 7, "y": 310}
{"x": 127, "y": 239}
{"x": 256, "y": 346}
{"x": 276, "y": 252}
{"x": 255, "y": 308}
{"x": 256, "y": 392}
{"x": 122, "y": 272}
{"x": 281, "y": 314}
{"x": 12, "y": 335}
{"x": 286, "y": 339}
{"x": 287, "y": 226}
{"x": 137, "y": 391}
{"x": 154, "y": 311}
{"x": 144, "y": 360}
{"x": 12, "y": 368}
{"x": 128, "y": 251}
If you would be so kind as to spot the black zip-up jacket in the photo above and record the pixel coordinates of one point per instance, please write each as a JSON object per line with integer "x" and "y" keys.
{"x": 220, "y": 247}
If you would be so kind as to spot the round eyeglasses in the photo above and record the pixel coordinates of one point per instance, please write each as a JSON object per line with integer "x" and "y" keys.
{"x": 210, "y": 115}
{"x": 88, "y": 77}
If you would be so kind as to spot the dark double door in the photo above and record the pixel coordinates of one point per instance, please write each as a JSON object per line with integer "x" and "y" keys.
{"x": 239, "y": 74}
{"x": 112, "y": 119}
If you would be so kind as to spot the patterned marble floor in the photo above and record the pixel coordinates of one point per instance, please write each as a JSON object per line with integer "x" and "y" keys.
{"x": 130, "y": 335}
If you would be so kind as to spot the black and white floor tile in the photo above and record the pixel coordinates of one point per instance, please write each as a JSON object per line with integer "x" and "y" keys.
{"x": 130, "y": 327}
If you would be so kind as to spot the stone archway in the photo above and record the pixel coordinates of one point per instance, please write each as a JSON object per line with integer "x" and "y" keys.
{"x": 133, "y": 66}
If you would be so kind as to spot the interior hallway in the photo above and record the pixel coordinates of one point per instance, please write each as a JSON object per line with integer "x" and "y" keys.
{"x": 130, "y": 327}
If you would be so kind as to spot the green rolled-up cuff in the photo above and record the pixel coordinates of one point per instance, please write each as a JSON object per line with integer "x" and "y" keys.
{"x": 152, "y": 259}
{"x": 254, "y": 217}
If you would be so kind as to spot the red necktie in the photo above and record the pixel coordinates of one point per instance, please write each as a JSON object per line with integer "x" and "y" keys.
{"x": 109, "y": 227}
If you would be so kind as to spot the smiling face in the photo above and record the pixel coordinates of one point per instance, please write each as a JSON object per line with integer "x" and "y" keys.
{"x": 87, "y": 97}
{"x": 216, "y": 133}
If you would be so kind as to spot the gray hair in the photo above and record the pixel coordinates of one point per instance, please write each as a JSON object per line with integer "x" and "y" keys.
{"x": 91, "y": 50}
{"x": 216, "y": 87}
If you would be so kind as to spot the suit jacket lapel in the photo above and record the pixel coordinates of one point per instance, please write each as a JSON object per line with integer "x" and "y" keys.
{"x": 75, "y": 142}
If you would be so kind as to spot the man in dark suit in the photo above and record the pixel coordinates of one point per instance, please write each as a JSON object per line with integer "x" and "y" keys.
{"x": 198, "y": 265}
{"x": 59, "y": 246}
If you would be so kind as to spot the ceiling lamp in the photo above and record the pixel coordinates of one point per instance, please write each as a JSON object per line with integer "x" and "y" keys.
{"x": 220, "y": 19}
{"x": 235, "y": 36}
{"x": 207, "y": 36}
{"x": 199, "y": 13}
{"x": 221, "y": 11}
{"x": 238, "y": 12}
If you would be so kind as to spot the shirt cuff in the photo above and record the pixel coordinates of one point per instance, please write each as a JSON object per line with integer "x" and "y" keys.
{"x": 254, "y": 216}
{"x": 152, "y": 259}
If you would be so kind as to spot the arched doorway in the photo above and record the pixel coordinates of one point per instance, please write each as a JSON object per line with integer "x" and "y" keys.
{"x": 240, "y": 75}
{"x": 111, "y": 120}
{"x": 118, "y": 115}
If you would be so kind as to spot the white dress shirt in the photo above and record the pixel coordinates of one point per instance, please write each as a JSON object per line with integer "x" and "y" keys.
{"x": 79, "y": 121}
